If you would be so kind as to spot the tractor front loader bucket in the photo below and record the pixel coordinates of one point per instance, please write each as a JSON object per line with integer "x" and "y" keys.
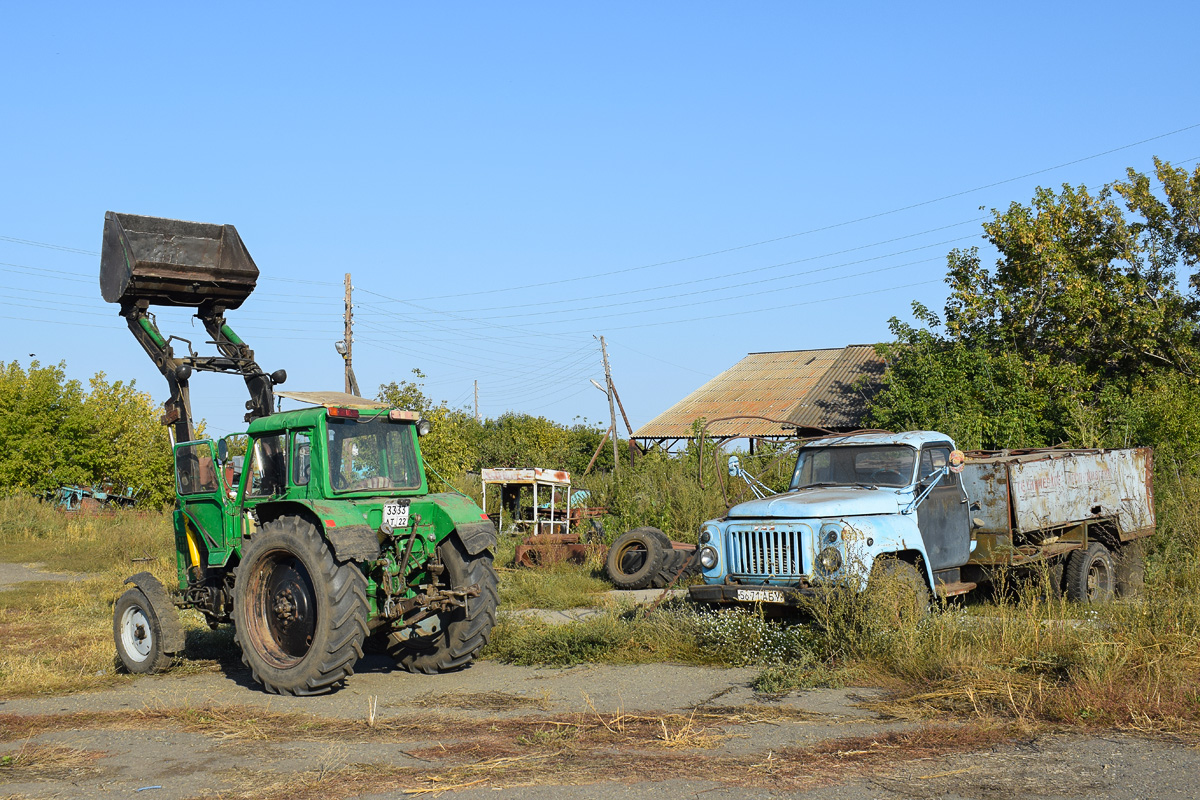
{"x": 169, "y": 262}
{"x": 151, "y": 261}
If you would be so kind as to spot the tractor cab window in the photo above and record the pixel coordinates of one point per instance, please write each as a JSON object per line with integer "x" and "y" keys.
{"x": 195, "y": 469}
{"x": 372, "y": 454}
{"x": 301, "y": 459}
{"x": 268, "y": 466}
{"x": 854, "y": 465}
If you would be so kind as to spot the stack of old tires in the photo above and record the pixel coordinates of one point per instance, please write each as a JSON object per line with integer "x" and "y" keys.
{"x": 646, "y": 558}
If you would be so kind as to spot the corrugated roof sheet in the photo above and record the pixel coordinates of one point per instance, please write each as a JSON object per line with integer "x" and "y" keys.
{"x": 808, "y": 388}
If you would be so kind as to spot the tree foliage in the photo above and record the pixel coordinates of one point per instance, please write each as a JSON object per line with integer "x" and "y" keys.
{"x": 1079, "y": 332}
{"x": 55, "y": 433}
{"x": 459, "y": 443}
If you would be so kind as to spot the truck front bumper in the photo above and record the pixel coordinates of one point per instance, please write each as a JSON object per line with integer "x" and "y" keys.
{"x": 743, "y": 594}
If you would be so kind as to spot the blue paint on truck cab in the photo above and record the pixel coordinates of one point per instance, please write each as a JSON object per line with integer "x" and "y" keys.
{"x": 852, "y": 500}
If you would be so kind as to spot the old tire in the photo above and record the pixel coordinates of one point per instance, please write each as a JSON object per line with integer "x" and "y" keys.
{"x": 899, "y": 592}
{"x": 449, "y": 640}
{"x": 1090, "y": 575}
{"x": 299, "y": 616}
{"x": 636, "y": 558}
{"x": 1130, "y": 563}
{"x": 138, "y": 634}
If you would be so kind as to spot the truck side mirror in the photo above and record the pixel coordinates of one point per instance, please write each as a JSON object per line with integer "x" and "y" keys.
{"x": 735, "y": 466}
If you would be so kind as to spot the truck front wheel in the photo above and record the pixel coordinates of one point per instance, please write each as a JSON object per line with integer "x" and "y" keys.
{"x": 450, "y": 639}
{"x": 1090, "y": 575}
{"x": 299, "y": 616}
{"x": 899, "y": 592}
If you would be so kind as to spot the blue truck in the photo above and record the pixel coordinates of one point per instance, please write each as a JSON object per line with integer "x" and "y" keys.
{"x": 941, "y": 520}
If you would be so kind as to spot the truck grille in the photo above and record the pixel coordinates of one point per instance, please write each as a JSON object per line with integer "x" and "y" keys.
{"x": 766, "y": 550}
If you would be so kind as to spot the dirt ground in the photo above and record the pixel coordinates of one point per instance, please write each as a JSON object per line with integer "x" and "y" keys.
{"x": 503, "y": 732}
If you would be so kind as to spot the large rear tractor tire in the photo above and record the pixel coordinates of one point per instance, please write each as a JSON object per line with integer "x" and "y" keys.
{"x": 299, "y": 616}
{"x": 138, "y": 633}
{"x": 1090, "y": 575}
{"x": 449, "y": 640}
{"x": 637, "y": 557}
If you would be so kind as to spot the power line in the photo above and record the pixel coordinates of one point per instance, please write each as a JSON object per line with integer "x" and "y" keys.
{"x": 815, "y": 230}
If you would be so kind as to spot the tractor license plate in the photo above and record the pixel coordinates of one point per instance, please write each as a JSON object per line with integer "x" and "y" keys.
{"x": 759, "y": 596}
{"x": 395, "y": 515}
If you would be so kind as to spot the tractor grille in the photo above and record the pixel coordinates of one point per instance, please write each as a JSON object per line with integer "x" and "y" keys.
{"x": 767, "y": 550}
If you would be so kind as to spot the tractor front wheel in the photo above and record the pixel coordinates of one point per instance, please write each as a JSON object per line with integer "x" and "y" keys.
{"x": 448, "y": 640}
{"x": 138, "y": 633}
{"x": 299, "y": 616}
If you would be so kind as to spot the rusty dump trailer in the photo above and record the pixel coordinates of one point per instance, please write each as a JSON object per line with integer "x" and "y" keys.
{"x": 1042, "y": 505}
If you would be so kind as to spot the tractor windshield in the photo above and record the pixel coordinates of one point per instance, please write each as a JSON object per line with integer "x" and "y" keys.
{"x": 854, "y": 465}
{"x": 373, "y": 453}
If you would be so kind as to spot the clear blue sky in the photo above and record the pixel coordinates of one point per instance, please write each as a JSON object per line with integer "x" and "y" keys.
{"x": 506, "y": 180}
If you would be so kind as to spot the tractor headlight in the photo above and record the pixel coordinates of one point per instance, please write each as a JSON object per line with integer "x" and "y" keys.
{"x": 708, "y": 558}
{"x": 424, "y": 427}
{"x": 829, "y": 561}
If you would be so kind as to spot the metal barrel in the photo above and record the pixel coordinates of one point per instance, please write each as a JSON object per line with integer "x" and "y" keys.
{"x": 170, "y": 262}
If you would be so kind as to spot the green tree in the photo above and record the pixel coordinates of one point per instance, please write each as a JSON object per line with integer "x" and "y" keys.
{"x": 1075, "y": 333}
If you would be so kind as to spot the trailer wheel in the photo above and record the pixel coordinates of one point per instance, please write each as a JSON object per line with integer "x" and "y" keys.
{"x": 1090, "y": 575}
{"x": 899, "y": 592}
{"x": 299, "y": 616}
{"x": 635, "y": 558}
{"x": 138, "y": 634}
{"x": 448, "y": 640}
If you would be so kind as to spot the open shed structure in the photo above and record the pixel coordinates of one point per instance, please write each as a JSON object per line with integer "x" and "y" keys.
{"x": 775, "y": 396}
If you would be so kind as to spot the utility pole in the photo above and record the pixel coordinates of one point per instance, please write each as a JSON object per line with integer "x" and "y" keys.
{"x": 612, "y": 410}
{"x": 348, "y": 340}
{"x": 477, "y": 400}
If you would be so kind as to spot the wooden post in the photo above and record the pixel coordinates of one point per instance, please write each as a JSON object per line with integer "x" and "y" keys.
{"x": 348, "y": 338}
{"x": 612, "y": 411}
{"x": 596, "y": 454}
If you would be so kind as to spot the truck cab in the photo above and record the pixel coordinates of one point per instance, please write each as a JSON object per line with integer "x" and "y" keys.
{"x": 852, "y": 500}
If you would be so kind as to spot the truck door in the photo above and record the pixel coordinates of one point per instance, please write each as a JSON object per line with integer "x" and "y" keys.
{"x": 944, "y": 516}
{"x": 202, "y": 495}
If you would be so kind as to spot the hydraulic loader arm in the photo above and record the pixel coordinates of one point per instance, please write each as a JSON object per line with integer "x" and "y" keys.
{"x": 149, "y": 261}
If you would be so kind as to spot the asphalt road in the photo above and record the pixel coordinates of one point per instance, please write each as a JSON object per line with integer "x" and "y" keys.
{"x": 490, "y": 732}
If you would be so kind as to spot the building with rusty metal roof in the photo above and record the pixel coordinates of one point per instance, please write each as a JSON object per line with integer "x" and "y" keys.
{"x": 775, "y": 396}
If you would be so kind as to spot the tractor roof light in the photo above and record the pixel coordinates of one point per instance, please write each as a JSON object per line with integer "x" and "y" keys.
{"x": 346, "y": 413}
{"x": 401, "y": 415}
{"x": 424, "y": 427}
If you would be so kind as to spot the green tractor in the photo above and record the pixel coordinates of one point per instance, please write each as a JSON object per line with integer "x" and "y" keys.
{"x": 324, "y": 533}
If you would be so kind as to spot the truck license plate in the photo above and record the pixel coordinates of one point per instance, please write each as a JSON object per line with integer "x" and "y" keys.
{"x": 395, "y": 515}
{"x": 759, "y": 596}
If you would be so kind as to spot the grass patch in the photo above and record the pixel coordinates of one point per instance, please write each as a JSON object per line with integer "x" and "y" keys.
{"x": 34, "y": 761}
{"x": 58, "y": 634}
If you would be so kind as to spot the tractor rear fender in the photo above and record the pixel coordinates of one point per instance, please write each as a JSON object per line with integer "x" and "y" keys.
{"x": 474, "y": 529}
{"x": 164, "y": 608}
{"x": 343, "y": 526}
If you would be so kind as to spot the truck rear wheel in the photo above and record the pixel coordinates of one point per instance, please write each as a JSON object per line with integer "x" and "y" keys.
{"x": 636, "y": 557}
{"x": 1090, "y": 575}
{"x": 299, "y": 616}
{"x": 448, "y": 640}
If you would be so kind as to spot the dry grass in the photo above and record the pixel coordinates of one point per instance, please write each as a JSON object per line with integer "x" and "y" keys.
{"x": 474, "y": 763}
{"x": 34, "y": 761}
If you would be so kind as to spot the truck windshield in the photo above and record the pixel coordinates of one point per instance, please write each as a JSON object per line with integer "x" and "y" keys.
{"x": 854, "y": 465}
{"x": 372, "y": 454}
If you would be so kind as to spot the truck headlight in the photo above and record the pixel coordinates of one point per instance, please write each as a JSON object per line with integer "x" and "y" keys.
{"x": 706, "y": 534}
{"x": 829, "y": 561}
{"x": 708, "y": 558}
